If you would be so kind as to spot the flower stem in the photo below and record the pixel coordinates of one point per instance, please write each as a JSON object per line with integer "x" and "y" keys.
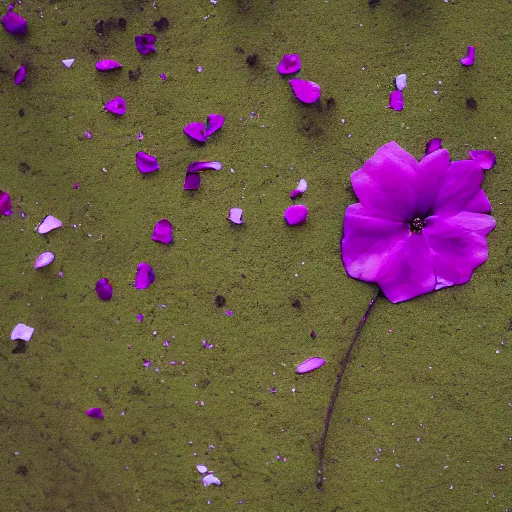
{"x": 336, "y": 390}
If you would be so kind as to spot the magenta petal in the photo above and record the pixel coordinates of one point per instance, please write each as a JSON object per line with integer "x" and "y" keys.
{"x": 146, "y": 163}
{"x": 48, "y": 224}
{"x": 116, "y": 105}
{"x": 432, "y": 171}
{"x": 192, "y": 181}
{"x": 235, "y": 215}
{"x": 162, "y": 232}
{"x": 145, "y": 276}
{"x": 313, "y": 363}
{"x": 44, "y": 259}
{"x": 108, "y": 65}
{"x": 145, "y": 44}
{"x": 22, "y": 332}
{"x": 484, "y": 157}
{"x": 396, "y": 100}
{"x": 301, "y": 188}
{"x": 95, "y": 412}
{"x": 469, "y": 60}
{"x": 479, "y": 203}
{"x": 305, "y": 91}
{"x": 104, "y": 289}
{"x": 20, "y": 76}
{"x": 196, "y": 131}
{"x": 14, "y": 23}
{"x": 290, "y": 63}
{"x": 203, "y": 166}
{"x": 433, "y": 145}
{"x": 296, "y": 214}
{"x": 5, "y": 203}
{"x": 214, "y": 122}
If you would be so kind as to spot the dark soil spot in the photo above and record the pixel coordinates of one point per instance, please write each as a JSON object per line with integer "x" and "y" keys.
{"x": 20, "y": 348}
{"x": 134, "y": 74}
{"x": 96, "y": 436}
{"x": 21, "y": 112}
{"x": 330, "y": 103}
{"x": 297, "y": 304}
{"x": 134, "y": 439}
{"x": 252, "y": 60}
{"x": 23, "y": 167}
{"x": 104, "y": 26}
{"x": 136, "y": 390}
{"x": 471, "y": 103}
{"x": 239, "y": 50}
{"x": 161, "y": 25}
{"x": 22, "y": 470}
{"x": 220, "y": 301}
{"x": 310, "y": 130}
{"x": 373, "y": 3}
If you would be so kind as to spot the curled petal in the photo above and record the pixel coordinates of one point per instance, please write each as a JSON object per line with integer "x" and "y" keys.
{"x": 22, "y": 332}
{"x": 192, "y": 181}
{"x": 290, "y": 63}
{"x": 162, "y": 232}
{"x": 296, "y": 214}
{"x": 469, "y": 60}
{"x": 108, "y": 65}
{"x": 116, "y": 105}
{"x": 146, "y": 163}
{"x": 44, "y": 259}
{"x": 195, "y": 167}
{"x": 484, "y": 157}
{"x": 145, "y": 44}
{"x": 20, "y": 76}
{"x": 214, "y": 122}
{"x": 14, "y": 23}
{"x": 433, "y": 145}
{"x": 235, "y": 215}
{"x": 301, "y": 188}
{"x": 5, "y": 203}
{"x": 396, "y": 100}
{"x": 104, "y": 289}
{"x": 196, "y": 131}
{"x": 401, "y": 82}
{"x": 145, "y": 276}
{"x": 95, "y": 412}
{"x": 48, "y": 224}
{"x": 313, "y": 363}
{"x": 211, "y": 479}
{"x": 305, "y": 91}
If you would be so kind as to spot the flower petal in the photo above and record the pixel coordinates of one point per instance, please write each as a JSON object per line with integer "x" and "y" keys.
{"x": 296, "y": 214}
{"x": 162, "y": 232}
{"x": 104, "y": 289}
{"x": 48, "y": 224}
{"x": 305, "y": 91}
{"x": 199, "y": 166}
{"x": 68, "y": 62}
{"x": 396, "y": 100}
{"x": 145, "y": 44}
{"x": 469, "y": 60}
{"x": 95, "y": 412}
{"x": 433, "y": 145}
{"x": 479, "y": 203}
{"x": 20, "y": 76}
{"x": 146, "y": 163}
{"x": 290, "y": 63}
{"x": 401, "y": 82}
{"x": 235, "y": 215}
{"x": 201, "y": 468}
{"x": 108, "y": 65}
{"x": 485, "y": 158}
{"x": 196, "y": 131}
{"x": 116, "y": 105}
{"x": 22, "y": 332}
{"x": 192, "y": 181}
{"x": 211, "y": 479}
{"x": 14, "y": 23}
{"x": 301, "y": 188}
{"x": 44, "y": 259}
{"x": 145, "y": 276}
{"x": 313, "y": 363}
{"x": 5, "y": 203}
{"x": 214, "y": 122}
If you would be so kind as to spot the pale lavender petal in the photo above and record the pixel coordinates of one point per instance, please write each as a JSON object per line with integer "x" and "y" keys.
{"x": 433, "y": 145}
{"x": 108, "y": 65}
{"x": 104, "y": 289}
{"x": 162, "y": 232}
{"x": 469, "y": 60}
{"x": 22, "y": 332}
{"x": 484, "y": 157}
{"x": 145, "y": 44}
{"x": 313, "y": 363}
{"x": 192, "y": 181}
{"x": 20, "y": 76}
{"x": 296, "y": 214}
{"x": 48, "y": 224}
{"x": 198, "y": 166}
{"x": 301, "y": 188}
{"x": 396, "y": 100}
{"x": 95, "y": 412}
{"x": 201, "y": 468}
{"x": 145, "y": 276}
{"x": 116, "y": 105}
{"x": 290, "y": 63}
{"x": 5, "y": 203}
{"x": 214, "y": 122}
{"x": 211, "y": 479}
{"x": 305, "y": 91}
{"x": 196, "y": 131}
{"x": 68, "y": 62}
{"x": 14, "y": 23}
{"x": 44, "y": 259}
{"x": 146, "y": 163}
{"x": 235, "y": 215}
{"x": 401, "y": 82}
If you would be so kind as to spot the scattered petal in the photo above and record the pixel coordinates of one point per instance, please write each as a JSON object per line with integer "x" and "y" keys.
{"x": 195, "y": 131}
{"x": 301, "y": 188}
{"x": 140, "y": 136}
{"x": 20, "y": 76}
{"x": 162, "y": 232}
{"x": 198, "y": 166}
{"x": 401, "y": 81}
{"x": 22, "y": 332}
{"x": 48, "y": 224}
{"x": 14, "y": 23}
{"x": 202, "y": 468}
{"x": 290, "y": 63}
{"x": 44, "y": 259}
{"x": 313, "y": 363}
{"x": 469, "y": 60}
{"x": 229, "y": 312}
{"x": 145, "y": 276}
{"x": 68, "y": 62}
{"x": 5, "y": 203}
{"x": 163, "y": 76}
{"x": 95, "y": 412}
{"x": 104, "y": 289}
{"x": 146, "y": 163}
{"x": 305, "y": 91}
{"x": 139, "y": 317}
{"x": 192, "y": 181}
{"x": 433, "y": 145}
{"x": 108, "y": 65}
{"x": 211, "y": 479}
{"x": 485, "y": 158}
{"x": 296, "y": 214}
{"x": 396, "y": 100}
{"x": 88, "y": 135}
{"x": 214, "y": 122}
{"x": 116, "y": 105}
{"x": 145, "y": 44}
{"x": 235, "y": 215}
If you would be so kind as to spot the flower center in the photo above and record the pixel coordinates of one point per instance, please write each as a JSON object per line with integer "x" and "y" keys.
{"x": 417, "y": 225}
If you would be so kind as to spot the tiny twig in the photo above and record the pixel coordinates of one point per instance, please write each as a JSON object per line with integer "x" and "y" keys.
{"x": 336, "y": 390}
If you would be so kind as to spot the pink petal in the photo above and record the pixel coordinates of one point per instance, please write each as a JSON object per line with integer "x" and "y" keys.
{"x": 145, "y": 276}
{"x": 108, "y": 65}
{"x": 195, "y": 167}
{"x": 211, "y": 479}
{"x": 68, "y": 62}
{"x": 116, "y": 106}
{"x": 104, "y": 289}
{"x": 433, "y": 145}
{"x": 484, "y": 157}
{"x": 396, "y": 100}
{"x": 214, "y": 122}
{"x": 296, "y": 214}
{"x": 313, "y": 363}
{"x": 201, "y": 468}
{"x": 305, "y": 91}
{"x": 401, "y": 82}
{"x": 192, "y": 181}
{"x": 196, "y": 131}
{"x": 95, "y": 412}
{"x": 146, "y": 163}
{"x": 469, "y": 60}
{"x": 5, "y": 203}
{"x": 22, "y": 332}
{"x": 290, "y": 63}
{"x": 235, "y": 215}
{"x": 44, "y": 259}
{"x": 20, "y": 76}
{"x": 162, "y": 232}
{"x": 48, "y": 224}
{"x": 301, "y": 188}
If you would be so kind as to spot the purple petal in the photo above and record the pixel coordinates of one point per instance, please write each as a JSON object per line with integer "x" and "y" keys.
{"x": 145, "y": 44}
{"x": 5, "y": 203}
{"x": 305, "y": 91}
{"x": 108, "y": 65}
{"x": 290, "y": 63}
{"x": 196, "y": 131}
{"x": 146, "y": 163}
{"x": 192, "y": 181}
{"x": 139, "y": 317}
{"x": 20, "y": 76}
{"x": 116, "y": 105}
{"x": 14, "y": 23}
{"x": 145, "y": 276}
{"x": 296, "y": 214}
{"x": 301, "y": 188}
{"x": 313, "y": 363}
{"x": 198, "y": 166}
{"x": 433, "y": 145}
{"x": 22, "y": 332}
{"x": 401, "y": 82}
{"x": 44, "y": 259}
{"x": 235, "y": 215}
{"x": 469, "y": 60}
{"x": 162, "y": 232}
{"x": 104, "y": 289}
{"x": 214, "y": 122}
{"x": 68, "y": 62}
{"x": 48, "y": 224}
{"x": 479, "y": 203}
{"x": 484, "y": 157}
{"x": 432, "y": 172}
{"x": 95, "y": 412}
{"x": 201, "y": 468}
{"x": 211, "y": 479}
{"x": 396, "y": 100}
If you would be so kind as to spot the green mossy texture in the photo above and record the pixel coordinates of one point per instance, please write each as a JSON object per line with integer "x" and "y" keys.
{"x": 433, "y": 395}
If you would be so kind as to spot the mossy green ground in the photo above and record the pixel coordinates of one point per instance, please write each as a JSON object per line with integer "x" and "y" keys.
{"x": 434, "y": 395}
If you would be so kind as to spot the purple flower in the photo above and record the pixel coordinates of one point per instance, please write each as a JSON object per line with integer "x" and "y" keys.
{"x": 145, "y": 276}
{"x": 146, "y": 163}
{"x": 20, "y": 76}
{"x": 305, "y": 91}
{"x": 200, "y": 131}
{"x": 14, "y": 23}
{"x": 419, "y": 226}
{"x": 95, "y": 412}
{"x": 290, "y": 63}
{"x": 108, "y": 65}
{"x": 145, "y": 44}
{"x": 396, "y": 100}
{"x": 162, "y": 232}
{"x": 296, "y": 214}
{"x": 5, "y": 203}
{"x": 469, "y": 60}
{"x": 116, "y": 105}
{"x": 104, "y": 289}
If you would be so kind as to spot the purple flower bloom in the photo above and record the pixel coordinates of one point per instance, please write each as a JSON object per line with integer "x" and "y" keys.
{"x": 116, "y": 105}
{"x": 290, "y": 63}
{"x": 433, "y": 145}
{"x": 145, "y": 44}
{"x": 419, "y": 226}
{"x": 485, "y": 158}
{"x": 296, "y": 214}
{"x": 145, "y": 276}
{"x": 104, "y": 289}
{"x": 146, "y": 163}
{"x": 5, "y": 203}
{"x": 305, "y": 91}
{"x": 14, "y": 23}
{"x": 20, "y": 76}
{"x": 108, "y": 65}
{"x": 95, "y": 412}
{"x": 200, "y": 131}
{"x": 162, "y": 232}
{"x": 469, "y": 60}
{"x": 396, "y": 100}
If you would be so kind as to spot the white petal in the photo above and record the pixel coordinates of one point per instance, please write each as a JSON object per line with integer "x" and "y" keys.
{"x": 211, "y": 479}
{"x": 401, "y": 81}
{"x": 22, "y": 332}
{"x": 201, "y": 468}
{"x": 302, "y": 186}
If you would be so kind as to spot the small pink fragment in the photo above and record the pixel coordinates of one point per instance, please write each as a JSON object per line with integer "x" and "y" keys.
{"x": 290, "y": 63}
{"x": 104, "y": 289}
{"x": 20, "y": 76}
{"x": 22, "y": 332}
{"x": 296, "y": 214}
{"x": 305, "y": 91}
{"x": 76, "y": 185}
{"x": 211, "y": 479}
{"x": 68, "y": 62}
{"x": 162, "y": 232}
{"x": 433, "y": 145}
{"x": 163, "y": 76}
{"x": 44, "y": 259}
{"x": 139, "y": 318}
{"x": 147, "y": 363}
{"x": 396, "y": 100}
{"x": 229, "y": 312}
{"x": 485, "y": 158}
{"x": 108, "y": 65}
{"x": 48, "y": 224}
{"x": 146, "y": 163}
{"x": 5, "y": 203}
{"x": 235, "y": 215}
{"x": 199, "y": 69}
{"x": 301, "y": 188}
{"x": 469, "y": 60}
{"x": 88, "y": 135}
{"x": 116, "y": 106}
{"x": 201, "y": 468}
{"x": 145, "y": 276}
{"x": 309, "y": 365}
{"x": 140, "y": 136}
{"x": 313, "y": 334}
{"x": 95, "y": 412}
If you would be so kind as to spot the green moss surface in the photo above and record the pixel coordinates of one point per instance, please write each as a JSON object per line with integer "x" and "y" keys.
{"x": 423, "y": 420}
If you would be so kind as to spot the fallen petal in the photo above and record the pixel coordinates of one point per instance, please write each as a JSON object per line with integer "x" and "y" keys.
{"x": 162, "y": 232}
{"x": 192, "y": 181}
{"x": 301, "y": 188}
{"x": 146, "y": 163}
{"x": 95, "y": 412}
{"x": 433, "y": 145}
{"x": 396, "y": 100}
{"x": 485, "y": 158}
{"x": 68, "y": 62}
{"x": 20, "y": 76}
{"x": 145, "y": 276}
{"x": 104, "y": 289}
{"x": 108, "y": 65}
{"x": 116, "y": 105}
{"x": 44, "y": 259}
{"x": 145, "y": 44}
{"x": 401, "y": 82}
{"x": 22, "y": 332}
{"x": 211, "y": 479}
{"x": 201, "y": 468}
{"x": 203, "y": 166}
{"x": 14, "y": 23}
{"x": 313, "y": 363}
{"x": 196, "y": 131}
{"x": 5, "y": 203}
{"x": 305, "y": 91}
{"x": 235, "y": 215}
{"x": 290, "y": 63}
{"x": 296, "y": 214}
{"x": 214, "y": 122}
{"x": 48, "y": 224}
{"x": 469, "y": 60}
